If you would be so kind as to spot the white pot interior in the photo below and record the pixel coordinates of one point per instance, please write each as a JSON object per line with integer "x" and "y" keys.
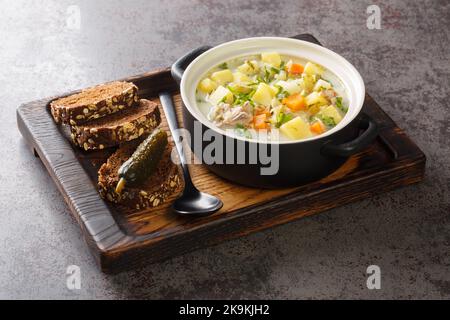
{"x": 342, "y": 69}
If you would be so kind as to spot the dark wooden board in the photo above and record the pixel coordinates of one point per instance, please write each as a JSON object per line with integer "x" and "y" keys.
{"x": 120, "y": 238}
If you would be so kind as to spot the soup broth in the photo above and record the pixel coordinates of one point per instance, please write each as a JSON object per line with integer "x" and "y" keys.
{"x": 267, "y": 92}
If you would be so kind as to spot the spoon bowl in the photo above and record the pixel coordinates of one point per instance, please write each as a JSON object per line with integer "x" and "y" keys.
{"x": 196, "y": 203}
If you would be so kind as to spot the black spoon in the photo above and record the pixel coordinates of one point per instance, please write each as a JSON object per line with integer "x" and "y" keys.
{"x": 192, "y": 201}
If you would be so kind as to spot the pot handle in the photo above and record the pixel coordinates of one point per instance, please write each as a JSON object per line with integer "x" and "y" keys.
{"x": 347, "y": 149}
{"x": 181, "y": 64}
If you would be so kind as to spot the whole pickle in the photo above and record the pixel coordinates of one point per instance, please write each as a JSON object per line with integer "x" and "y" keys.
{"x": 144, "y": 161}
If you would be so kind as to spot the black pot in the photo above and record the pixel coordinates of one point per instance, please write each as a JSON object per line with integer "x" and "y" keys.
{"x": 299, "y": 162}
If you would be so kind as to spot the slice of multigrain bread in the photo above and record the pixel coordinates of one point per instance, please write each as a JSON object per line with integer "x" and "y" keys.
{"x": 94, "y": 102}
{"x": 167, "y": 180}
{"x": 126, "y": 125}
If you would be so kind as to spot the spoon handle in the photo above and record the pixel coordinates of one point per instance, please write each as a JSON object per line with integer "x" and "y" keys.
{"x": 171, "y": 117}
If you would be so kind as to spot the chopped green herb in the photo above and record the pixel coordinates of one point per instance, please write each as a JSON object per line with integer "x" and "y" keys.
{"x": 241, "y": 97}
{"x": 340, "y": 105}
{"x": 266, "y": 75}
{"x": 250, "y": 64}
{"x": 279, "y": 88}
{"x": 282, "y": 118}
{"x": 328, "y": 121}
{"x": 274, "y": 70}
{"x": 233, "y": 91}
{"x": 281, "y": 93}
{"x": 282, "y": 65}
{"x": 223, "y": 66}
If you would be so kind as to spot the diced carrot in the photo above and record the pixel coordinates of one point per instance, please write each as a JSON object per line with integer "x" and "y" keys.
{"x": 295, "y": 68}
{"x": 317, "y": 127}
{"x": 295, "y": 102}
{"x": 259, "y": 121}
{"x": 263, "y": 111}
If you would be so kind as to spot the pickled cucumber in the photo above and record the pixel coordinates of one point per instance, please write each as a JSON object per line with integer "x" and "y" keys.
{"x": 144, "y": 161}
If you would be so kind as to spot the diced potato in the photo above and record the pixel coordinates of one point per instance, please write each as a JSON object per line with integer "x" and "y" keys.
{"x": 263, "y": 95}
{"x": 274, "y": 89}
{"x": 296, "y": 128}
{"x": 271, "y": 58}
{"x": 321, "y": 85}
{"x": 240, "y": 88}
{"x": 207, "y": 85}
{"x": 249, "y": 67}
{"x": 307, "y": 82}
{"x": 315, "y": 98}
{"x": 331, "y": 112}
{"x": 291, "y": 86}
{"x": 312, "y": 69}
{"x": 239, "y": 77}
{"x": 221, "y": 94}
{"x": 222, "y": 77}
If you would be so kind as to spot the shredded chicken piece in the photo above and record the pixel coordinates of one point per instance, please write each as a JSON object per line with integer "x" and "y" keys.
{"x": 236, "y": 115}
{"x": 330, "y": 95}
{"x": 247, "y": 107}
{"x": 216, "y": 112}
{"x": 225, "y": 114}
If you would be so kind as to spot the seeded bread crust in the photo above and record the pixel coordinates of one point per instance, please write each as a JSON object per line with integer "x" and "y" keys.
{"x": 163, "y": 183}
{"x": 94, "y": 102}
{"x": 117, "y": 128}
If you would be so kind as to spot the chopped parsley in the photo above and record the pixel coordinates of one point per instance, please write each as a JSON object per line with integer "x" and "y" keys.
{"x": 233, "y": 91}
{"x": 241, "y": 97}
{"x": 282, "y": 118}
{"x": 340, "y": 105}
{"x": 223, "y": 66}
{"x": 267, "y": 74}
{"x": 250, "y": 64}
{"x": 274, "y": 70}
{"x": 328, "y": 121}
{"x": 281, "y": 93}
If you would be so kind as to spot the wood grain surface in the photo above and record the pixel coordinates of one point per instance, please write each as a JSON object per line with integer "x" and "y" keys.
{"x": 120, "y": 238}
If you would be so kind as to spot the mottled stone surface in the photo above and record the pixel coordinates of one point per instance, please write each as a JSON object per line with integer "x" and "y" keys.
{"x": 405, "y": 66}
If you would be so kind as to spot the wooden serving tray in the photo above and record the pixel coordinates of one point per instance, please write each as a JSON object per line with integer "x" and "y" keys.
{"x": 120, "y": 238}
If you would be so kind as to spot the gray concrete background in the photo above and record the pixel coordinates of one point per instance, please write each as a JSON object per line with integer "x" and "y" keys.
{"x": 406, "y": 69}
